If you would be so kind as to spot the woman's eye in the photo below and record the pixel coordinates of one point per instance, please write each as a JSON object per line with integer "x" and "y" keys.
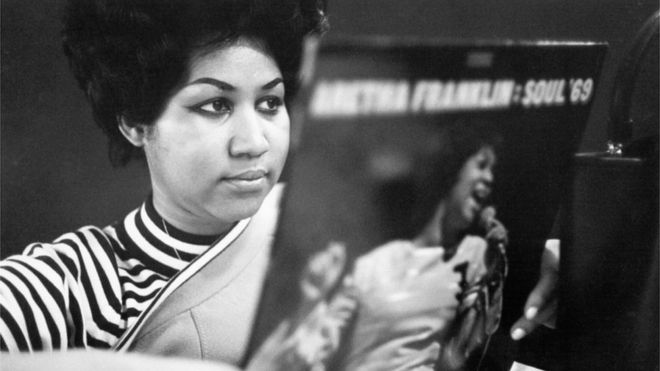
{"x": 485, "y": 160}
{"x": 486, "y": 163}
{"x": 216, "y": 107}
{"x": 269, "y": 105}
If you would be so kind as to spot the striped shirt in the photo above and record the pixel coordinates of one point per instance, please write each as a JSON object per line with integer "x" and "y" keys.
{"x": 87, "y": 287}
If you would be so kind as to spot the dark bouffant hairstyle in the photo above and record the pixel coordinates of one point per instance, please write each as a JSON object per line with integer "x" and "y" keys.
{"x": 437, "y": 175}
{"x": 129, "y": 55}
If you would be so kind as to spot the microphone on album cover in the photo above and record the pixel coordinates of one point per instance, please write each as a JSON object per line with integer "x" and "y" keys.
{"x": 494, "y": 230}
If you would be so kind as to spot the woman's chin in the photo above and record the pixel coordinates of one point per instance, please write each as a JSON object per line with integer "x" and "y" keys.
{"x": 470, "y": 212}
{"x": 237, "y": 211}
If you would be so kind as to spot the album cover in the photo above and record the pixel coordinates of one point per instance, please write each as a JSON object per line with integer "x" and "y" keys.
{"x": 415, "y": 165}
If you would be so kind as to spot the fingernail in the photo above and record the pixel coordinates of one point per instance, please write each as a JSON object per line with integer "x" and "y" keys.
{"x": 531, "y": 312}
{"x": 518, "y": 334}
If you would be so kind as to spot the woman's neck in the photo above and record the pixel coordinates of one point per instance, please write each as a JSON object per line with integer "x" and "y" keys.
{"x": 441, "y": 230}
{"x": 187, "y": 221}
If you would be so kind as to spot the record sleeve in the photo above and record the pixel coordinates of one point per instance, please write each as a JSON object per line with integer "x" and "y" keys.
{"x": 415, "y": 165}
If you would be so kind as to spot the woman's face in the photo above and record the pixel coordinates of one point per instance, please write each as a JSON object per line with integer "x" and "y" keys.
{"x": 468, "y": 196}
{"x": 221, "y": 142}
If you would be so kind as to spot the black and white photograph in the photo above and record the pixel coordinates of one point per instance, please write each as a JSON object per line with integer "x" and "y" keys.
{"x": 339, "y": 185}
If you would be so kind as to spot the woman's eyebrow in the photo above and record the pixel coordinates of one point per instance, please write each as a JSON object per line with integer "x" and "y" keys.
{"x": 229, "y": 87}
{"x": 217, "y": 83}
{"x": 272, "y": 84}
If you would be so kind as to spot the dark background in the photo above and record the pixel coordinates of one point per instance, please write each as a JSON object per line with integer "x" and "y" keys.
{"x": 55, "y": 174}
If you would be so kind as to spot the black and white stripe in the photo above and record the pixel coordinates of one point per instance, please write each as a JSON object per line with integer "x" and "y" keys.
{"x": 87, "y": 287}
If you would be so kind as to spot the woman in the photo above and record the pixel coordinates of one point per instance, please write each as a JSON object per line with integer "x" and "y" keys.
{"x": 441, "y": 291}
{"x": 199, "y": 89}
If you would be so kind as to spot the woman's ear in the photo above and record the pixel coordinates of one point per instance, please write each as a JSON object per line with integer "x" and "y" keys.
{"x": 134, "y": 133}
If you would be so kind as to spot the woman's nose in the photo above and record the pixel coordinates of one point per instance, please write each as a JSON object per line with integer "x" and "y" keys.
{"x": 248, "y": 139}
{"x": 487, "y": 175}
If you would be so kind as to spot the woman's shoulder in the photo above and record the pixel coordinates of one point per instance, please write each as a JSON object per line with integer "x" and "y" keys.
{"x": 87, "y": 242}
{"x": 71, "y": 249}
{"x": 76, "y": 263}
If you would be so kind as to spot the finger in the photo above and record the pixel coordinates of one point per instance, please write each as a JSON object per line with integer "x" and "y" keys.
{"x": 528, "y": 323}
{"x": 522, "y": 328}
{"x": 548, "y": 316}
{"x": 546, "y": 288}
{"x": 544, "y": 292}
{"x": 540, "y": 307}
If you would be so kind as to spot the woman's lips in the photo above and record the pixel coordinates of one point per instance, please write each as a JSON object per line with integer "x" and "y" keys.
{"x": 481, "y": 194}
{"x": 249, "y": 180}
{"x": 249, "y": 175}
